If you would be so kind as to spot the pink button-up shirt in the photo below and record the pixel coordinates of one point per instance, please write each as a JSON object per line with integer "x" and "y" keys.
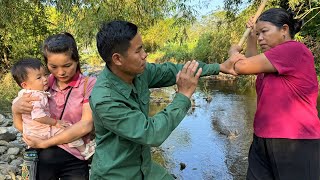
{"x": 73, "y": 109}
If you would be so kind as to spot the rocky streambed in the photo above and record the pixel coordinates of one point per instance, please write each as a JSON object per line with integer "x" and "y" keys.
{"x": 11, "y": 149}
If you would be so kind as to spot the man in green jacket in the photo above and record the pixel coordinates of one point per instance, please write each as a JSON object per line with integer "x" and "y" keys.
{"x": 120, "y": 104}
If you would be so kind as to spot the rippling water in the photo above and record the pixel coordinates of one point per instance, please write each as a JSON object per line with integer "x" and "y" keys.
{"x": 213, "y": 140}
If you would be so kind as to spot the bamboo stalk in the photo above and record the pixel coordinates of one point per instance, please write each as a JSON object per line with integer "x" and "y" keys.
{"x": 247, "y": 32}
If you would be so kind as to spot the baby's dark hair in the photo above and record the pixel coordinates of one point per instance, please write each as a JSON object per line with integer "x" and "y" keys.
{"x": 19, "y": 71}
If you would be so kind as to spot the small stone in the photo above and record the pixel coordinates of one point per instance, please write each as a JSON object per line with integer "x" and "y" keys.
{"x": 2, "y": 119}
{"x": 6, "y": 134}
{"x": 3, "y": 149}
{"x": 13, "y": 151}
{"x": 174, "y": 176}
{"x": 182, "y": 166}
{"x": 4, "y": 143}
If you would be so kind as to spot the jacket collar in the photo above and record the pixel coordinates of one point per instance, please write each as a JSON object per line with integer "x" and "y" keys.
{"x": 121, "y": 86}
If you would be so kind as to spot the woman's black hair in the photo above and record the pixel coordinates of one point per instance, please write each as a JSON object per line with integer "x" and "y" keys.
{"x": 61, "y": 43}
{"x": 280, "y": 17}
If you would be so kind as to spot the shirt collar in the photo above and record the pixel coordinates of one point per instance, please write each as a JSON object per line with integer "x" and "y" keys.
{"x": 122, "y": 87}
{"x": 73, "y": 83}
{"x": 75, "y": 80}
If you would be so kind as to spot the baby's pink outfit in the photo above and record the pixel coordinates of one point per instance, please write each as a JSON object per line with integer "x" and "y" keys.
{"x": 41, "y": 109}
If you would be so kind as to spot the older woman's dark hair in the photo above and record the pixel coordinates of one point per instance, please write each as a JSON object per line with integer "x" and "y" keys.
{"x": 280, "y": 17}
{"x": 61, "y": 43}
{"x": 115, "y": 37}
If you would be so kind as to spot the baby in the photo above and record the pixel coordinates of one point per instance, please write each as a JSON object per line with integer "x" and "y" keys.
{"x": 31, "y": 75}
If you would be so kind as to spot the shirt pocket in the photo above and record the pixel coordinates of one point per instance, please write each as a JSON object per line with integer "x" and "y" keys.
{"x": 145, "y": 98}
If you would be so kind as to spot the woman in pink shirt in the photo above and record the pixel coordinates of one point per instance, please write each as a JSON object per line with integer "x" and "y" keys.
{"x": 70, "y": 92}
{"x": 286, "y": 126}
{"x": 31, "y": 76}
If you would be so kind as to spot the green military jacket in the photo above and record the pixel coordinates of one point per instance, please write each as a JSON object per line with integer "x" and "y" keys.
{"x": 124, "y": 132}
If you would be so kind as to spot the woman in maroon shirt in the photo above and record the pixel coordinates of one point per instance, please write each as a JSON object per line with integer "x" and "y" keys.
{"x": 286, "y": 126}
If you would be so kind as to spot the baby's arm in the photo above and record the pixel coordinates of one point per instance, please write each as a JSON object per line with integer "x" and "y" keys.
{"x": 40, "y": 112}
{"x": 46, "y": 120}
{"x": 52, "y": 122}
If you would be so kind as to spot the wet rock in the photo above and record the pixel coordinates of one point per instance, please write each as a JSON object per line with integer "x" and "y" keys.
{"x": 2, "y": 119}
{"x": 11, "y": 148}
{"x": 182, "y": 166}
{"x": 7, "y": 158}
{"x": 13, "y": 151}
{"x": 4, "y": 143}
{"x": 208, "y": 98}
{"x": 17, "y": 162}
{"x": 7, "y": 134}
{"x": 17, "y": 143}
{"x": 5, "y": 122}
{"x": 174, "y": 176}
{"x": 224, "y": 129}
{"x": 12, "y": 130}
{"x": 3, "y": 149}
{"x": 6, "y": 169}
{"x": 222, "y": 76}
{"x": 155, "y": 150}
{"x": 233, "y": 134}
{"x": 9, "y": 176}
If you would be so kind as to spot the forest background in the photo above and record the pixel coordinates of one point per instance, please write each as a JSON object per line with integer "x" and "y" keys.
{"x": 172, "y": 30}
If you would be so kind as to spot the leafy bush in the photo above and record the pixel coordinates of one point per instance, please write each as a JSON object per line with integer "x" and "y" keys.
{"x": 176, "y": 52}
{"x": 155, "y": 57}
{"x": 314, "y": 46}
{"x": 8, "y": 91}
{"x": 212, "y": 47}
{"x": 203, "y": 49}
{"x": 91, "y": 57}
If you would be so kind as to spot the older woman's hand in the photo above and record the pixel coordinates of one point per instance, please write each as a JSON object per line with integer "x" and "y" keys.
{"x": 250, "y": 23}
{"x": 24, "y": 104}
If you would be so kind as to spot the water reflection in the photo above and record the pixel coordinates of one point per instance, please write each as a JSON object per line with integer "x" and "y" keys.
{"x": 213, "y": 140}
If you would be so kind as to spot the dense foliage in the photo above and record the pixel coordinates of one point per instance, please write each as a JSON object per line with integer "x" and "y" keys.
{"x": 172, "y": 29}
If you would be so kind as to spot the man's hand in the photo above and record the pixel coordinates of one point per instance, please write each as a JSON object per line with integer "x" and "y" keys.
{"x": 24, "y": 104}
{"x": 187, "y": 78}
{"x": 228, "y": 66}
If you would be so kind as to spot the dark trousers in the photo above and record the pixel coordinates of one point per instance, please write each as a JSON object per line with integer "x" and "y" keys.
{"x": 284, "y": 159}
{"x": 55, "y": 163}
